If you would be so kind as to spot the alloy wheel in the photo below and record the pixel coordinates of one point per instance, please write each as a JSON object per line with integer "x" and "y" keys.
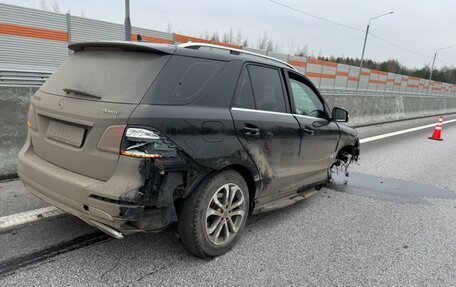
{"x": 225, "y": 213}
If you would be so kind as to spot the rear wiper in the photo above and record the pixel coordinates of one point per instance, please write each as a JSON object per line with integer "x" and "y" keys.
{"x": 78, "y": 92}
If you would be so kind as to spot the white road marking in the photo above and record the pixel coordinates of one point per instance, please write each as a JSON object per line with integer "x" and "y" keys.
{"x": 13, "y": 220}
{"x": 9, "y": 221}
{"x": 387, "y": 135}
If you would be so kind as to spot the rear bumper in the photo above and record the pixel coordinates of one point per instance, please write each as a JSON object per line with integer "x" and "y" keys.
{"x": 107, "y": 205}
{"x": 96, "y": 217}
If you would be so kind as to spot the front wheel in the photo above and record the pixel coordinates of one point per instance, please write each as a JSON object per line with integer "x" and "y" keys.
{"x": 213, "y": 217}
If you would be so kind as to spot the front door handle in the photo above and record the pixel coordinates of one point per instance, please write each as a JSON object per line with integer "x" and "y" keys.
{"x": 308, "y": 131}
{"x": 251, "y": 131}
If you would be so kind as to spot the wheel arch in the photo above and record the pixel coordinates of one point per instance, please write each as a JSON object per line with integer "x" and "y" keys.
{"x": 249, "y": 179}
{"x": 350, "y": 148}
{"x": 244, "y": 171}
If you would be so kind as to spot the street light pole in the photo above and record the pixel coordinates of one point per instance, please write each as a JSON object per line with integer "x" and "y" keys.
{"x": 364, "y": 46}
{"x": 362, "y": 56}
{"x": 432, "y": 67}
{"x": 127, "y": 22}
{"x": 433, "y": 61}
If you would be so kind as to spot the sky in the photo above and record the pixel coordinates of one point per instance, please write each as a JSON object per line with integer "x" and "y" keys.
{"x": 419, "y": 27}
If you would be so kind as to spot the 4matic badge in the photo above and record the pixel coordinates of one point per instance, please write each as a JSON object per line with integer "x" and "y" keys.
{"x": 108, "y": 111}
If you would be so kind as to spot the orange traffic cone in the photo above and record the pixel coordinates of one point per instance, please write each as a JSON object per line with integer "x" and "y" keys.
{"x": 437, "y": 135}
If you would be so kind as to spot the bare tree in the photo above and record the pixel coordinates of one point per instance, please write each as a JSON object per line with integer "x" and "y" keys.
{"x": 238, "y": 39}
{"x": 270, "y": 46}
{"x": 215, "y": 37}
{"x": 169, "y": 28}
{"x": 225, "y": 38}
{"x": 303, "y": 52}
{"x": 56, "y": 7}
{"x": 229, "y": 37}
{"x": 262, "y": 42}
{"x": 291, "y": 49}
{"x": 43, "y": 5}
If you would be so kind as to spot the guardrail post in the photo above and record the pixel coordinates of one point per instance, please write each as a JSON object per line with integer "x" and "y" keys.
{"x": 321, "y": 73}
{"x": 348, "y": 77}
{"x": 68, "y": 22}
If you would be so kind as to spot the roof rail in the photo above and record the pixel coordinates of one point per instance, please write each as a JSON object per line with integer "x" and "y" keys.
{"x": 234, "y": 51}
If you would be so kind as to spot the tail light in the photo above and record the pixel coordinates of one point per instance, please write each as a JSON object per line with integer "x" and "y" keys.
{"x": 31, "y": 121}
{"x": 146, "y": 143}
{"x": 111, "y": 139}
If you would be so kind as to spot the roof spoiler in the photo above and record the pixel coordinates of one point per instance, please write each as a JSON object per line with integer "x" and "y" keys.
{"x": 124, "y": 46}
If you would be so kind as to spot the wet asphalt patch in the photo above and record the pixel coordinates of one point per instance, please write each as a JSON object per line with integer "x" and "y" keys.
{"x": 389, "y": 189}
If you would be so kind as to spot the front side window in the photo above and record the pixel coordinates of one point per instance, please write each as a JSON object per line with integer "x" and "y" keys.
{"x": 267, "y": 88}
{"x": 306, "y": 102}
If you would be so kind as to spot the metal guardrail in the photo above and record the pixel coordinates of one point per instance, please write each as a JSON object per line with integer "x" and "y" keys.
{"x": 23, "y": 78}
{"x": 361, "y": 92}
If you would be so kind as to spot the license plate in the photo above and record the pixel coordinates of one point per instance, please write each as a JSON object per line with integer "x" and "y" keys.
{"x": 65, "y": 133}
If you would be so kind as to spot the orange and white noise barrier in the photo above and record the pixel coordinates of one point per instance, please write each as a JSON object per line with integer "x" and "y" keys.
{"x": 437, "y": 134}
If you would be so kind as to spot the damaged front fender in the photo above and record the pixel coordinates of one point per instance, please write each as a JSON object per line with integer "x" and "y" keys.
{"x": 346, "y": 156}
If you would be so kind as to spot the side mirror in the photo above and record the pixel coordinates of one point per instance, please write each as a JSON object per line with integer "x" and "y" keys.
{"x": 340, "y": 115}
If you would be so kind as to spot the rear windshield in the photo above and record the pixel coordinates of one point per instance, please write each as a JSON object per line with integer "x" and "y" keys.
{"x": 110, "y": 76}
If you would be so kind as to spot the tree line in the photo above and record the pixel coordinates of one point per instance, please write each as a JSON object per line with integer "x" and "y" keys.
{"x": 445, "y": 74}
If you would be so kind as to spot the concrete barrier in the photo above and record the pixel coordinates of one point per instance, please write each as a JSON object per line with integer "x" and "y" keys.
{"x": 380, "y": 108}
{"x": 363, "y": 109}
{"x": 14, "y": 103}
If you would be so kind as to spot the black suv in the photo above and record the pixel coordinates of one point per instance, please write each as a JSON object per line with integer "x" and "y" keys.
{"x": 132, "y": 137}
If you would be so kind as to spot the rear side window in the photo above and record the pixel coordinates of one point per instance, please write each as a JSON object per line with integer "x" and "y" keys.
{"x": 267, "y": 88}
{"x": 193, "y": 80}
{"x": 182, "y": 81}
{"x": 244, "y": 95}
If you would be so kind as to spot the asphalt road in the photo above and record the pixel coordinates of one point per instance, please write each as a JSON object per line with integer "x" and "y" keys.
{"x": 392, "y": 222}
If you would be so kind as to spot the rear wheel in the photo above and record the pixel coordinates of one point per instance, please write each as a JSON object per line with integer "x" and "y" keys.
{"x": 213, "y": 217}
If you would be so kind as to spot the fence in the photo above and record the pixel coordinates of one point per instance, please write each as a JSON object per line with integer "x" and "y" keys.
{"x": 33, "y": 43}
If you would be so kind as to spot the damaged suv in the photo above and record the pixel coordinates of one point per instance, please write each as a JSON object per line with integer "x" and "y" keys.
{"x": 131, "y": 137}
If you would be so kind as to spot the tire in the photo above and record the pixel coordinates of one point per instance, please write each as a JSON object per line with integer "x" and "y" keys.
{"x": 209, "y": 236}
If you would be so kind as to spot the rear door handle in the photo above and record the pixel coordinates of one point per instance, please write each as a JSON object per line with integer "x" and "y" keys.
{"x": 308, "y": 131}
{"x": 250, "y": 131}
